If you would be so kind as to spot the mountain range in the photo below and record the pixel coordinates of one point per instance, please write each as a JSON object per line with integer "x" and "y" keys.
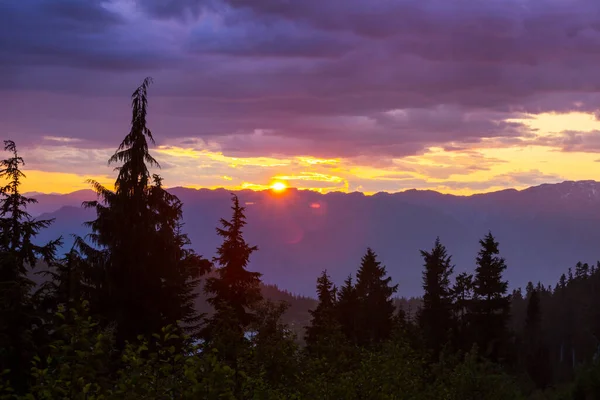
{"x": 542, "y": 230}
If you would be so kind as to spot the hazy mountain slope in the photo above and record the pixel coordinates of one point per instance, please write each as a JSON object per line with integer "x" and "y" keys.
{"x": 542, "y": 230}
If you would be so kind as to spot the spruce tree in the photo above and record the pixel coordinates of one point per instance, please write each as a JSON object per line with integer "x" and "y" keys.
{"x": 143, "y": 273}
{"x": 435, "y": 316}
{"x": 234, "y": 290}
{"x": 492, "y": 303}
{"x": 375, "y": 310}
{"x": 324, "y": 327}
{"x": 18, "y": 256}
{"x": 234, "y": 294}
{"x": 346, "y": 308}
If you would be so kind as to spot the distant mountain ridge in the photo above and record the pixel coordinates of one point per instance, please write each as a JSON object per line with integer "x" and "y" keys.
{"x": 542, "y": 230}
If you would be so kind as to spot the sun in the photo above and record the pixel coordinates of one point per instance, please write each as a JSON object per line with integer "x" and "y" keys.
{"x": 279, "y": 186}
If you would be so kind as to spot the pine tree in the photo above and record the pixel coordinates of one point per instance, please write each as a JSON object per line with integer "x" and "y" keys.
{"x": 143, "y": 273}
{"x": 492, "y": 303}
{"x": 324, "y": 327}
{"x": 18, "y": 255}
{"x": 435, "y": 316}
{"x": 375, "y": 311}
{"x": 346, "y": 307}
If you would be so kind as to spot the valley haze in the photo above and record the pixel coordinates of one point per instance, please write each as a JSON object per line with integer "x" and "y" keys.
{"x": 542, "y": 230}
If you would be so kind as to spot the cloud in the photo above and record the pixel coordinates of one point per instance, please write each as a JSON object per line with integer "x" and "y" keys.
{"x": 515, "y": 179}
{"x": 353, "y": 79}
{"x": 573, "y": 141}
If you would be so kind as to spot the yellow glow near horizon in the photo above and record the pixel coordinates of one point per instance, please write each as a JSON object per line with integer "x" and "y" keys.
{"x": 546, "y": 123}
{"x": 278, "y": 186}
{"x": 479, "y": 167}
{"x": 59, "y": 182}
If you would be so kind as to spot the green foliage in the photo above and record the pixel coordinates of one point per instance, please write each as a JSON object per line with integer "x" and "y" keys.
{"x": 78, "y": 363}
{"x": 475, "y": 379}
{"x": 161, "y": 369}
{"x": 274, "y": 348}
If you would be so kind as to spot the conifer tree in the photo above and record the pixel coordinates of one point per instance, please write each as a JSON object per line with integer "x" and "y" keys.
{"x": 536, "y": 355}
{"x": 491, "y": 306}
{"x": 324, "y": 326}
{"x": 66, "y": 285}
{"x": 346, "y": 307}
{"x": 375, "y": 310}
{"x": 462, "y": 292}
{"x": 234, "y": 290}
{"x": 18, "y": 255}
{"x": 435, "y": 316}
{"x": 235, "y": 294}
{"x": 274, "y": 347}
{"x": 144, "y": 275}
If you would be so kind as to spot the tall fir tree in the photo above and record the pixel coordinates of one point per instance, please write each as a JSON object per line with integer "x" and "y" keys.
{"x": 435, "y": 317}
{"x": 374, "y": 293}
{"x": 234, "y": 290}
{"x": 324, "y": 328}
{"x": 235, "y": 294}
{"x": 144, "y": 274}
{"x": 491, "y": 305}
{"x": 18, "y": 256}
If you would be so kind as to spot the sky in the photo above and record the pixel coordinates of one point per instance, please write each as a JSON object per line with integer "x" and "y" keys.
{"x": 461, "y": 96}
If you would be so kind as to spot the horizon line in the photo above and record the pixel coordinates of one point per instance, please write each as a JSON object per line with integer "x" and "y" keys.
{"x": 366, "y": 194}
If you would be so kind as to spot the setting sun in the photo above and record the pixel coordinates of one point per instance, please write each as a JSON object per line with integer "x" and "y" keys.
{"x": 279, "y": 186}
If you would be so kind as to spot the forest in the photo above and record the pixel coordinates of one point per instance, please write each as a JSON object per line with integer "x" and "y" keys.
{"x": 116, "y": 317}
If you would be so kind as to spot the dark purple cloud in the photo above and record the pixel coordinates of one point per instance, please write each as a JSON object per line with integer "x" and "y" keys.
{"x": 328, "y": 78}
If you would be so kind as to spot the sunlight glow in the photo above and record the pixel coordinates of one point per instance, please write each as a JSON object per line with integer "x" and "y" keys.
{"x": 278, "y": 186}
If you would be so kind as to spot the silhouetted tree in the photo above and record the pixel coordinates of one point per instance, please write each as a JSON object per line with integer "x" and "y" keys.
{"x": 274, "y": 355}
{"x": 375, "y": 310}
{"x": 346, "y": 307}
{"x": 234, "y": 288}
{"x": 324, "y": 326}
{"x": 462, "y": 293}
{"x": 66, "y": 285}
{"x": 143, "y": 274}
{"x": 536, "y": 355}
{"x": 235, "y": 293}
{"x": 435, "y": 316}
{"x": 491, "y": 306}
{"x": 18, "y": 255}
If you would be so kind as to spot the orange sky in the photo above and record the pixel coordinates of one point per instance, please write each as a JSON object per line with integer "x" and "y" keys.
{"x": 485, "y": 167}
